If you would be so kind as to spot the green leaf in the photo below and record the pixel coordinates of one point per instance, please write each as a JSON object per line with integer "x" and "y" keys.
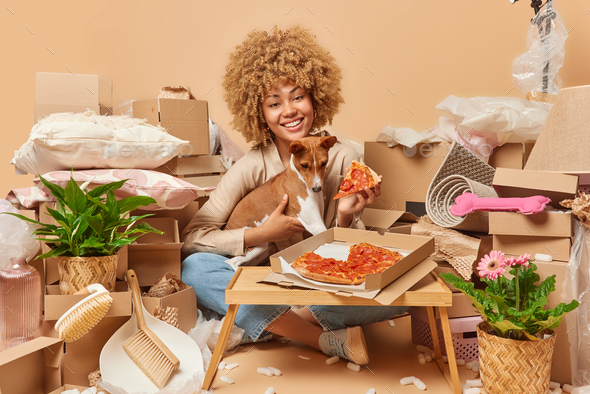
{"x": 18, "y": 215}
{"x": 74, "y": 198}
{"x": 104, "y": 189}
{"x": 95, "y": 222}
{"x": 129, "y": 204}
{"x": 91, "y": 243}
{"x": 57, "y": 191}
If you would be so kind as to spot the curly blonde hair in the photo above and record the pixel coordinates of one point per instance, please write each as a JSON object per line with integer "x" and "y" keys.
{"x": 264, "y": 61}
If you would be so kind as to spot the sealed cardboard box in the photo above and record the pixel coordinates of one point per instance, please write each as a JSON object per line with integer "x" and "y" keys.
{"x": 50, "y": 264}
{"x": 186, "y": 302}
{"x": 382, "y": 220}
{"x": 56, "y": 304}
{"x": 182, "y": 216}
{"x": 544, "y": 224}
{"x": 55, "y": 92}
{"x": 83, "y": 356}
{"x": 407, "y": 173}
{"x": 33, "y": 367}
{"x": 185, "y": 119}
{"x": 511, "y": 155}
{"x": 558, "y": 248}
{"x": 418, "y": 247}
{"x": 153, "y": 255}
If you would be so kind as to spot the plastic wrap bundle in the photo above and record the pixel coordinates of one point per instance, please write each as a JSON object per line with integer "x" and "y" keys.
{"x": 536, "y": 70}
{"x": 460, "y": 172}
{"x": 16, "y": 236}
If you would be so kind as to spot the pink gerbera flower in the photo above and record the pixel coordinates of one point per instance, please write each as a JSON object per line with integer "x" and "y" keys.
{"x": 491, "y": 266}
{"x": 522, "y": 260}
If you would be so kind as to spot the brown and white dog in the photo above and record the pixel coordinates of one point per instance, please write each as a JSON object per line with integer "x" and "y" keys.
{"x": 303, "y": 181}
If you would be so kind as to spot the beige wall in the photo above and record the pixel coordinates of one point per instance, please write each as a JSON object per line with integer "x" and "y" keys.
{"x": 422, "y": 50}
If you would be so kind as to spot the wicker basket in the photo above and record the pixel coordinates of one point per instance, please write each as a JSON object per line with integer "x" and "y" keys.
{"x": 510, "y": 366}
{"x": 75, "y": 273}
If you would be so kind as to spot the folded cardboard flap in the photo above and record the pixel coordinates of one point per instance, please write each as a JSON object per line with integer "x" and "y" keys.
{"x": 33, "y": 367}
{"x": 381, "y": 219}
{"x": 525, "y": 183}
{"x": 169, "y": 226}
{"x": 420, "y": 247}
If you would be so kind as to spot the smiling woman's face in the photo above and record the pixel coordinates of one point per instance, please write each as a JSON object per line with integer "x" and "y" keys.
{"x": 288, "y": 111}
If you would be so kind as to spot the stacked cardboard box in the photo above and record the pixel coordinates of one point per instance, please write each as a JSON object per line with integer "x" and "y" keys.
{"x": 202, "y": 171}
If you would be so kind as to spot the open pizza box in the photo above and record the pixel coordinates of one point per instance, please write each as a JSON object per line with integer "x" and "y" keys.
{"x": 404, "y": 274}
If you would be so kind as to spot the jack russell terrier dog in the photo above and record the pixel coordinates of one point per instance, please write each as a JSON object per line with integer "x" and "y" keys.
{"x": 303, "y": 181}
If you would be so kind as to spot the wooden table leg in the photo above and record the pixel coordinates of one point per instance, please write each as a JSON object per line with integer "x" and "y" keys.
{"x": 228, "y": 323}
{"x": 454, "y": 372}
{"x": 434, "y": 333}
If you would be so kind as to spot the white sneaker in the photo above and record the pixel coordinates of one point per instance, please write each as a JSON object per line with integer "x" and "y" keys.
{"x": 348, "y": 343}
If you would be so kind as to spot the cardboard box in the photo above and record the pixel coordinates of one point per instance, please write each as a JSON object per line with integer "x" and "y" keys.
{"x": 564, "y": 363}
{"x": 81, "y": 389}
{"x": 511, "y": 155}
{"x": 56, "y": 304}
{"x": 33, "y": 367}
{"x": 525, "y": 183}
{"x": 153, "y": 255}
{"x": 182, "y": 166}
{"x": 182, "y": 216}
{"x": 55, "y": 92}
{"x": 185, "y": 301}
{"x": 419, "y": 247}
{"x": 50, "y": 264}
{"x": 185, "y": 119}
{"x": 83, "y": 356}
{"x": 558, "y": 248}
{"x": 382, "y": 220}
{"x": 407, "y": 173}
{"x": 544, "y": 224}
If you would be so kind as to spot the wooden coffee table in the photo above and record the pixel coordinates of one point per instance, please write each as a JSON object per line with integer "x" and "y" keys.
{"x": 245, "y": 288}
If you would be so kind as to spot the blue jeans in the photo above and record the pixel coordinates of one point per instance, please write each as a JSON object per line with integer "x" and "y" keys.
{"x": 209, "y": 276}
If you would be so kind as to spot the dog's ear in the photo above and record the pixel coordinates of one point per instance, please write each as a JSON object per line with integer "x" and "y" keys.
{"x": 328, "y": 142}
{"x": 296, "y": 147}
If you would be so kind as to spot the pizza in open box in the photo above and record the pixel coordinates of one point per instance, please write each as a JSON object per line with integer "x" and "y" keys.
{"x": 362, "y": 259}
{"x": 357, "y": 178}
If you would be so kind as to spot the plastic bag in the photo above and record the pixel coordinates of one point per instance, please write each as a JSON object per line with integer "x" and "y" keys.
{"x": 536, "y": 70}
{"x": 16, "y": 236}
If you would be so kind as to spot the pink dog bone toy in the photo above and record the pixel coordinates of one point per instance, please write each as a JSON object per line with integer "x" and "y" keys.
{"x": 469, "y": 202}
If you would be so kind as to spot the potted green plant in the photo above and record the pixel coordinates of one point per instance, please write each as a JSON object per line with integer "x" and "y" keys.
{"x": 517, "y": 332}
{"x": 92, "y": 226}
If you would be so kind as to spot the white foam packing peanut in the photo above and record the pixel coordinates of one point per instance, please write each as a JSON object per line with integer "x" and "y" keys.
{"x": 371, "y": 391}
{"x": 568, "y": 388}
{"x": 419, "y": 384}
{"x": 554, "y": 385}
{"x": 475, "y": 368}
{"x": 543, "y": 257}
{"x": 423, "y": 349}
{"x": 353, "y": 367}
{"x": 421, "y": 358}
{"x": 226, "y": 380}
{"x": 232, "y": 366}
{"x": 428, "y": 358}
{"x": 304, "y": 358}
{"x": 270, "y": 390}
{"x": 557, "y": 390}
{"x": 391, "y": 323}
{"x": 332, "y": 360}
{"x": 474, "y": 383}
{"x": 472, "y": 390}
{"x": 275, "y": 371}
{"x": 445, "y": 359}
{"x": 407, "y": 380}
{"x": 221, "y": 365}
{"x": 460, "y": 361}
{"x": 264, "y": 371}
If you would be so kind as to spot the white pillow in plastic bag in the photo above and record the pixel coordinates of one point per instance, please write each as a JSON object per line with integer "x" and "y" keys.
{"x": 66, "y": 141}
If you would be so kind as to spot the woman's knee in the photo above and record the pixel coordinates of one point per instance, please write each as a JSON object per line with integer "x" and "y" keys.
{"x": 197, "y": 266}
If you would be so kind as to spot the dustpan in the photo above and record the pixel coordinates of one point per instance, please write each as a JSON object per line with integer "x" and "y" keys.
{"x": 118, "y": 369}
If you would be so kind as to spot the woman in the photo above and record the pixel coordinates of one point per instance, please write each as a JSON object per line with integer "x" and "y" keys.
{"x": 280, "y": 87}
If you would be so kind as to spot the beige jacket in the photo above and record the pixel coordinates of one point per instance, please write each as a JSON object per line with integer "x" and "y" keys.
{"x": 205, "y": 231}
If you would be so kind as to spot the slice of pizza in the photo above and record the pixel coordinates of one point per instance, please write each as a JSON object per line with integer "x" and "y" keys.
{"x": 357, "y": 178}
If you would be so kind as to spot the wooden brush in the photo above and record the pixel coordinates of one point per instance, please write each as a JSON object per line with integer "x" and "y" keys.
{"x": 80, "y": 318}
{"x": 146, "y": 350}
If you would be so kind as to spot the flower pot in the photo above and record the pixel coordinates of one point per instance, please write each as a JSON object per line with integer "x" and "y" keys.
{"x": 75, "y": 273}
{"x": 511, "y": 366}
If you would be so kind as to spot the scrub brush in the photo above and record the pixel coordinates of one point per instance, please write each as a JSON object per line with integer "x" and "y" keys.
{"x": 80, "y": 318}
{"x": 146, "y": 350}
